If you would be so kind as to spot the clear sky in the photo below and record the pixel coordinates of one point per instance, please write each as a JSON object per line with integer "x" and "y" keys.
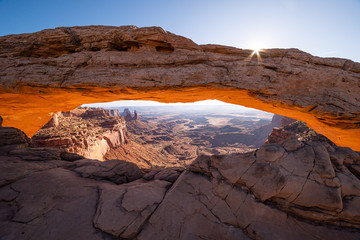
{"x": 209, "y": 106}
{"x": 212, "y": 102}
{"x": 328, "y": 28}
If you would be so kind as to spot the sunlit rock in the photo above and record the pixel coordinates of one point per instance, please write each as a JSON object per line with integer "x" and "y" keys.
{"x": 60, "y": 69}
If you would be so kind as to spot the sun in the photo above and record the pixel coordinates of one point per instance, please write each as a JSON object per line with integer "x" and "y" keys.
{"x": 256, "y": 49}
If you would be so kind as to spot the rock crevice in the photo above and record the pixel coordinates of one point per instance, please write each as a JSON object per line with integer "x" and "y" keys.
{"x": 264, "y": 194}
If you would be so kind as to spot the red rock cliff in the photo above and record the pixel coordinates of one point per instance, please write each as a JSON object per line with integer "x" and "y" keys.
{"x": 90, "y": 132}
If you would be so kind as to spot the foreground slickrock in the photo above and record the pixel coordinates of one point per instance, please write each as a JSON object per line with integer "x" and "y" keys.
{"x": 59, "y": 69}
{"x": 286, "y": 189}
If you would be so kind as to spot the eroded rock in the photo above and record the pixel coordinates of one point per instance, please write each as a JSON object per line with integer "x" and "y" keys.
{"x": 12, "y": 138}
{"x": 71, "y": 66}
{"x": 14, "y": 168}
{"x": 194, "y": 220}
{"x": 122, "y": 210}
{"x": 308, "y": 192}
{"x": 169, "y": 174}
{"x": 301, "y": 181}
{"x": 117, "y": 171}
{"x": 89, "y": 132}
{"x": 50, "y": 204}
{"x": 231, "y": 214}
{"x": 37, "y": 154}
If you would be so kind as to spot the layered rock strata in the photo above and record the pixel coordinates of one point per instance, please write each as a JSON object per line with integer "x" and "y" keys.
{"x": 128, "y": 116}
{"x": 89, "y": 132}
{"x": 100, "y": 134}
{"x": 59, "y": 69}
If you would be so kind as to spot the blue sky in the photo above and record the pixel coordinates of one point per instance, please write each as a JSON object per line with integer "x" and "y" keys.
{"x": 328, "y": 28}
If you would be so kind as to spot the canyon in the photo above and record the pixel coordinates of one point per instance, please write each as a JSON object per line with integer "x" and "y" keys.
{"x": 90, "y": 133}
{"x": 157, "y": 139}
{"x": 299, "y": 184}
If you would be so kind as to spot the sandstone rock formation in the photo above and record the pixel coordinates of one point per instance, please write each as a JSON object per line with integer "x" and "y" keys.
{"x": 54, "y": 121}
{"x": 96, "y": 133}
{"x": 14, "y": 142}
{"x": 142, "y": 155}
{"x": 12, "y": 137}
{"x": 288, "y": 189}
{"x": 89, "y": 132}
{"x": 59, "y": 69}
{"x": 175, "y": 142}
{"x": 127, "y": 115}
{"x": 262, "y": 132}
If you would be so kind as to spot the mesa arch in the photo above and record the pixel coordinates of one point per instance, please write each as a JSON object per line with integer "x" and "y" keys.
{"x": 59, "y": 69}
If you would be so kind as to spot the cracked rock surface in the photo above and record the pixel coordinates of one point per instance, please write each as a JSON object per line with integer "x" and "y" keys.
{"x": 123, "y": 210}
{"x": 310, "y": 190}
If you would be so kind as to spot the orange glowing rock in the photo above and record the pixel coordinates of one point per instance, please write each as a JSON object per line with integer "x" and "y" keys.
{"x": 60, "y": 69}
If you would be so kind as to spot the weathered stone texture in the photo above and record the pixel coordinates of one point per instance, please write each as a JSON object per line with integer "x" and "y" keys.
{"x": 59, "y": 69}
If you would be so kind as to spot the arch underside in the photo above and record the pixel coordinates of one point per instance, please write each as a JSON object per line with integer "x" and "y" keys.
{"x": 60, "y": 69}
{"x": 31, "y": 111}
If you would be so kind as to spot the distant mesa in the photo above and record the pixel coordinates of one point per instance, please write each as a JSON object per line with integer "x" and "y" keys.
{"x": 267, "y": 193}
{"x": 128, "y": 116}
{"x": 98, "y": 112}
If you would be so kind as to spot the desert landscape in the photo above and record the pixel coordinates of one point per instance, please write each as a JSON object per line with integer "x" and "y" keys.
{"x": 157, "y": 136}
{"x": 236, "y": 143}
{"x": 231, "y": 188}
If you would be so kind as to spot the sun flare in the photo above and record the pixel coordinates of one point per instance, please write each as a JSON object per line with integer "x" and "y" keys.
{"x": 256, "y": 50}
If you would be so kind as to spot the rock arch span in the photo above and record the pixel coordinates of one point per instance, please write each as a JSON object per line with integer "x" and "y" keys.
{"x": 59, "y": 69}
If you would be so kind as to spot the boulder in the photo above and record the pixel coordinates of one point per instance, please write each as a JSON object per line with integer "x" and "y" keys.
{"x": 123, "y": 210}
{"x": 117, "y": 171}
{"x": 12, "y": 136}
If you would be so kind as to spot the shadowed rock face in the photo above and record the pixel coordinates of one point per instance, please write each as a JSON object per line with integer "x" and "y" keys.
{"x": 59, "y": 69}
{"x": 286, "y": 189}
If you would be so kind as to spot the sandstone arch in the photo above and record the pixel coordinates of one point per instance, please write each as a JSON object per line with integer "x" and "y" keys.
{"x": 59, "y": 69}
